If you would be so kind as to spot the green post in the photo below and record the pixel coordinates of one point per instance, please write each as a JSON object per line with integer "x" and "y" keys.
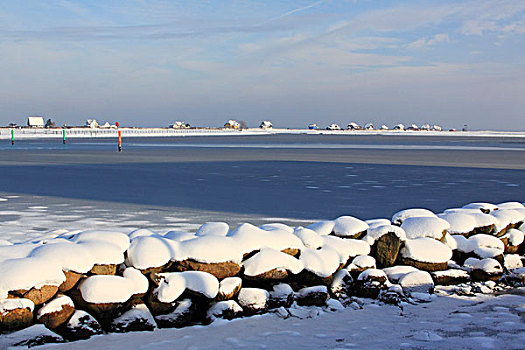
{"x": 12, "y": 136}
{"x": 64, "y": 136}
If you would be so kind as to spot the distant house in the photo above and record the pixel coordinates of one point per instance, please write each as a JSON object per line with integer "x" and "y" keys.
{"x": 369, "y": 126}
{"x": 313, "y": 126}
{"x": 35, "y": 122}
{"x": 266, "y": 124}
{"x": 425, "y": 127}
{"x": 384, "y": 127}
{"x": 106, "y": 125}
{"x": 413, "y": 127}
{"x": 333, "y": 126}
{"x": 353, "y": 126}
{"x": 92, "y": 123}
{"x": 437, "y": 128}
{"x": 180, "y": 125}
{"x": 232, "y": 124}
{"x": 399, "y": 127}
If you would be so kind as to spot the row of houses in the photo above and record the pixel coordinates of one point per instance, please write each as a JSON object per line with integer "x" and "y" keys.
{"x": 370, "y": 126}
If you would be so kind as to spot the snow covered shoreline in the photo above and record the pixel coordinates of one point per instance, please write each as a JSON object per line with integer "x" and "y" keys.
{"x": 141, "y": 279}
{"x": 81, "y": 133}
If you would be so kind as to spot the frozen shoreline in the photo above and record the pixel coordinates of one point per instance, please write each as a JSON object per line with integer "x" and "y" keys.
{"x": 80, "y": 133}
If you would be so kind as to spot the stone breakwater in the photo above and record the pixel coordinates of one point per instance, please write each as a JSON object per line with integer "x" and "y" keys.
{"x": 79, "y": 284}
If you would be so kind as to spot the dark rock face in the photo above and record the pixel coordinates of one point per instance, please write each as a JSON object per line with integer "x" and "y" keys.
{"x": 219, "y": 270}
{"x": 70, "y": 282}
{"x": 227, "y": 309}
{"x": 312, "y": 296}
{"x": 33, "y": 336}
{"x": 480, "y": 275}
{"x": 449, "y": 277}
{"x": 307, "y": 278}
{"x": 281, "y": 295}
{"x": 425, "y": 266}
{"x": 81, "y": 325}
{"x": 183, "y": 315}
{"x": 16, "y": 319}
{"x": 341, "y": 284}
{"x": 268, "y": 276}
{"x": 386, "y": 249}
{"x": 137, "y": 319}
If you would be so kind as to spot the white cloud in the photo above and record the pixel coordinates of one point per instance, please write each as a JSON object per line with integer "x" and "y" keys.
{"x": 422, "y": 43}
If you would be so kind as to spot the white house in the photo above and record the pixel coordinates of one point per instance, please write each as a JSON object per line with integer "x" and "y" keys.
{"x": 266, "y": 124}
{"x": 333, "y": 126}
{"x": 369, "y": 126}
{"x": 384, "y": 127}
{"x": 353, "y": 126}
{"x": 232, "y": 124}
{"x": 180, "y": 125}
{"x": 35, "y": 122}
{"x": 313, "y": 126}
{"x": 92, "y": 123}
{"x": 437, "y": 128}
{"x": 399, "y": 127}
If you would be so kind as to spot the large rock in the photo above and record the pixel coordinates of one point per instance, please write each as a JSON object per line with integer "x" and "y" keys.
{"x": 417, "y": 282}
{"x": 36, "y": 295}
{"x": 72, "y": 279}
{"x": 220, "y": 270}
{"x": 386, "y": 249}
{"x": 56, "y": 312}
{"x": 137, "y": 319}
{"x": 312, "y": 296}
{"x": 253, "y": 300}
{"x": 35, "y": 335}
{"x": 485, "y": 269}
{"x": 450, "y": 277}
{"x": 370, "y": 283}
{"x": 226, "y": 309}
{"x": 16, "y": 313}
{"x": 183, "y": 315}
{"x": 103, "y": 269}
{"x": 341, "y": 284}
{"x": 228, "y": 288}
{"x": 425, "y": 254}
{"x": 81, "y": 325}
{"x": 281, "y": 295}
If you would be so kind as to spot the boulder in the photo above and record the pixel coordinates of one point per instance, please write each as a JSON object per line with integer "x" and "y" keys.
{"x": 56, "y": 312}
{"x": 35, "y": 335}
{"x": 228, "y": 288}
{"x": 425, "y": 254}
{"x": 370, "y": 283}
{"x": 386, "y": 249}
{"x": 417, "y": 282}
{"x": 137, "y": 319}
{"x": 253, "y": 300}
{"x": 349, "y": 227}
{"x": 183, "y": 315}
{"x": 81, "y": 325}
{"x": 220, "y": 270}
{"x": 226, "y": 309}
{"x": 450, "y": 277}
{"x": 16, "y": 313}
{"x": 281, "y": 295}
{"x": 312, "y": 296}
{"x": 36, "y": 295}
{"x": 361, "y": 263}
{"x": 103, "y": 269}
{"x": 484, "y": 270}
{"x": 341, "y": 284}
{"x": 72, "y": 279}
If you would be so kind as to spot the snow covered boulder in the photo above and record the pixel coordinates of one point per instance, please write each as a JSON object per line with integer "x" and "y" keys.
{"x": 270, "y": 265}
{"x": 310, "y": 238}
{"x": 149, "y": 254}
{"x": 450, "y": 277}
{"x": 399, "y": 217}
{"x": 341, "y": 284}
{"x": 512, "y": 262}
{"x": 483, "y": 207}
{"x": 420, "y": 227}
{"x": 81, "y": 325}
{"x": 507, "y": 219}
{"x": 15, "y": 314}
{"x": 460, "y": 223}
{"x": 213, "y": 229}
{"x": 486, "y": 246}
{"x": 395, "y": 273}
{"x": 226, "y": 309}
{"x": 512, "y": 240}
{"x": 281, "y": 295}
{"x": 56, "y": 312}
{"x": 253, "y": 300}
{"x": 319, "y": 265}
{"x": 385, "y": 241}
{"x": 217, "y": 255}
{"x": 370, "y": 283}
{"x": 484, "y": 270}
{"x": 137, "y": 319}
{"x": 182, "y": 315}
{"x": 312, "y": 296}
{"x": 228, "y": 288}
{"x": 361, "y": 263}
{"x": 349, "y": 227}
{"x": 35, "y": 335}
{"x": 346, "y": 248}
{"x": 425, "y": 254}
{"x": 323, "y": 228}
{"x": 418, "y": 282}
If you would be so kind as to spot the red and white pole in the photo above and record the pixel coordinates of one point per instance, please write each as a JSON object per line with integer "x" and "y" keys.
{"x": 119, "y": 138}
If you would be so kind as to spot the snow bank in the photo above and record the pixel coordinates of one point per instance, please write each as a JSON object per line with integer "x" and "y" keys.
{"x": 348, "y": 226}
{"x": 113, "y": 289}
{"x": 399, "y": 217}
{"x": 268, "y": 259}
{"x": 419, "y": 227}
{"x": 426, "y": 250}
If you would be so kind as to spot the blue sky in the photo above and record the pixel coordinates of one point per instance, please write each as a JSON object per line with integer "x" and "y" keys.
{"x": 148, "y": 63}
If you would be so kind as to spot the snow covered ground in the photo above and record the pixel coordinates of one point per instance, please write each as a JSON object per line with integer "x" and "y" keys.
{"x": 448, "y": 322}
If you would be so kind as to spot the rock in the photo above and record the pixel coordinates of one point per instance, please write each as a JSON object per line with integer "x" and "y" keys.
{"x": 425, "y": 266}
{"x": 105, "y": 269}
{"x": 450, "y": 277}
{"x": 253, "y": 300}
{"x": 35, "y": 335}
{"x": 103, "y": 312}
{"x": 361, "y": 263}
{"x": 281, "y": 295}
{"x": 157, "y": 307}
{"x": 370, "y": 283}
{"x": 70, "y": 282}
{"x": 277, "y": 274}
{"x": 36, "y": 295}
{"x": 228, "y": 288}
{"x": 349, "y": 227}
{"x": 425, "y": 254}
{"x": 484, "y": 270}
{"x": 386, "y": 249}
{"x": 16, "y": 313}
{"x": 81, "y": 325}
{"x": 307, "y": 278}
{"x": 220, "y": 270}
{"x": 183, "y": 315}
{"x": 56, "y": 312}
{"x": 341, "y": 283}
{"x": 137, "y": 319}
{"x": 312, "y": 296}
{"x": 291, "y": 251}
{"x": 227, "y": 309}
{"x": 417, "y": 282}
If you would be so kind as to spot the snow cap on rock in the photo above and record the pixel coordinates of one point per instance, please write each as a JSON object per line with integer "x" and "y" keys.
{"x": 399, "y": 217}
{"x": 348, "y": 226}
{"x": 419, "y": 227}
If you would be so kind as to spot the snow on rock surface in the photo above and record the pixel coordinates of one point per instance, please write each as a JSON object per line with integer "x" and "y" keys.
{"x": 113, "y": 289}
{"x": 486, "y": 246}
{"x": 7, "y": 305}
{"x": 179, "y": 236}
{"x": 211, "y": 249}
{"x": 377, "y": 222}
{"x": 375, "y": 232}
{"x": 173, "y": 284}
{"x": 27, "y": 273}
{"x": 276, "y": 226}
{"x": 324, "y": 228}
{"x": 346, "y": 247}
{"x": 55, "y": 305}
{"x": 511, "y": 205}
{"x": 417, "y": 281}
{"x": 419, "y": 227}
{"x": 254, "y": 298}
{"x": 137, "y": 318}
{"x": 117, "y": 238}
{"x": 364, "y": 261}
{"x": 513, "y": 261}
{"x": 17, "y": 251}
{"x": 459, "y": 223}
{"x": 214, "y": 229}
{"x": 399, "y": 217}
{"x": 249, "y": 238}
{"x": 372, "y": 274}
{"x": 481, "y": 206}
{"x": 487, "y": 265}
{"x": 310, "y": 238}
{"x": 148, "y": 251}
{"x": 140, "y": 233}
{"x": 505, "y": 217}
{"x": 348, "y": 226}
{"x": 268, "y": 259}
{"x": 70, "y": 256}
{"x": 426, "y": 250}
{"x": 394, "y": 273}
{"x": 323, "y": 262}
{"x": 516, "y": 237}
{"x": 228, "y": 285}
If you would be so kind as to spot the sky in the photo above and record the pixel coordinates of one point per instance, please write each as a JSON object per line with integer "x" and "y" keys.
{"x": 149, "y": 63}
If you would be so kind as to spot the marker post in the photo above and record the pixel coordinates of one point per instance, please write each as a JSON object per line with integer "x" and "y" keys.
{"x": 64, "y": 136}
{"x": 12, "y": 136}
{"x": 119, "y": 138}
